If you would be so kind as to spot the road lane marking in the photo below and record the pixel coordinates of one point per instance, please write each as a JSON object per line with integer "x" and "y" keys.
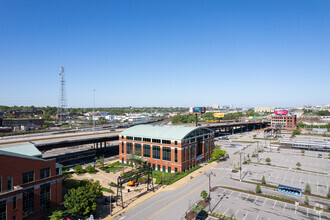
{"x": 226, "y": 211}
{"x": 235, "y": 212}
{"x": 245, "y": 215}
{"x": 238, "y": 196}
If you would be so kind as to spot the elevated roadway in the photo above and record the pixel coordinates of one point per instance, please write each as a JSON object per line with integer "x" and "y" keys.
{"x": 100, "y": 138}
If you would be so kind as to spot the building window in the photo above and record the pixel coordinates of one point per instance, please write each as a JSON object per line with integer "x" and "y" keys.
{"x": 156, "y": 141}
{"x": 153, "y": 166}
{"x": 9, "y": 184}
{"x": 168, "y": 169}
{"x": 137, "y": 147}
{"x": 206, "y": 147}
{"x": 146, "y": 139}
{"x": 176, "y": 155}
{"x": 44, "y": 172}
{"x": 122, "y": 147}
{"x": 137, "y": 139}
{"x": 146, "y": 150}
{"x": 156, "y": 152}
{"x": 28, "y": 177}
{"x": 57, "y": 171}
{"x": 167, "y": 153}
{"x": 166, "y": 142}
{"x": 176, "y": 169}
{"x": 164, "y": 169}
{"x": 129, "y": 148}
{"x": 14, "y": 202}
{"x": 193, "y": 151}
{"x": 175, "y": 143}
{"x": 158, "y": 167}
{"x": 3, "y": 209}
{"x": 28, "y": 202}
{"x": 122, "y": 160}
{"x": 0, "y": 183}
{"x": 129, "y": 138}
{"x": 14, "y": 217}
{"x": 44, "y": 197}
{"x": 183, "y": 155}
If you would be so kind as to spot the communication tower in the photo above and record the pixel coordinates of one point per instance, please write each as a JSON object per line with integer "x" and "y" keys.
{"x": 62, "y": 111}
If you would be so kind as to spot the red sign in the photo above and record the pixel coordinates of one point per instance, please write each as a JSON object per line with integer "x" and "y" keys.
{"x": 281, "y": 112}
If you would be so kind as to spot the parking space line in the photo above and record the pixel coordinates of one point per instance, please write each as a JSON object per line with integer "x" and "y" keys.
{"x": 247, "y": 197}
{"x": 226, "y": 211}
{"x": 257, "y": 217}
{"x": 307, "y": 212}
{"x": 274, "y": 204}
{"x": 284, "y": 207}
{"x": 264, "y": 203}
{"x": 235, "y": 212}
{"x": 245, "y": 215}
{"x": 238, "y": 195}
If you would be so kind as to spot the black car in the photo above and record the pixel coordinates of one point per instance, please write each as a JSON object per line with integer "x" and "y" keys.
{"x": 201, "y": 215}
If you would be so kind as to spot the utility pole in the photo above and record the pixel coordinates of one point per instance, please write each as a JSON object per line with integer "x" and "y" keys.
{"x": 240, "y": 165}
{"x": 257, "y": 151}
{"x": 209, "y": 176}
{"x": 93, "y": 109}
{"x": 196, "y": 120}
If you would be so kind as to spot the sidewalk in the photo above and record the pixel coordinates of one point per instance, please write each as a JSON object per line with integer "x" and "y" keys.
{"x": 118, "y": 210}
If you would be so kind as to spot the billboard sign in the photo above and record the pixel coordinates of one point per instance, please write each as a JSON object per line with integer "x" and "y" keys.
{"x": 281, "y": 112}
{"x": 197, "y": 110}
{"x": 219, "y": 115}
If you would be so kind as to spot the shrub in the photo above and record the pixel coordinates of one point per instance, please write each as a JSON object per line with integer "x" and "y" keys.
{"x": 306, "y": 200}
{"x": 302, "y": 151}
{"x": 308, "y": 189}
{"x": 268, "y": 160}
{"x": 298, "y": 164}
{"x": 112, "y": 184}
{"x": 204, "y": 195}
{"x": 258, "y": 188}
{"x": 90, "y": 169}
{"x": 78, "y": 169}
{"x": 263, "y": 180}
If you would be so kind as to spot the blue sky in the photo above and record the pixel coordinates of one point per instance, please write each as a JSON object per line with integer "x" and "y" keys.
{"x": 165, "y": 53}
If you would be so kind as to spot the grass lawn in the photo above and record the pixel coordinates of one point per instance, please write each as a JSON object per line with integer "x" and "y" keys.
{"x": 170, "y": 178}
{"x": 114, "y": 167}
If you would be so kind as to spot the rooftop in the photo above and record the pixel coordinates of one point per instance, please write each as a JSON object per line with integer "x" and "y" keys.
{"x": 169, "y": 132}
{"x": 27, "y": 149}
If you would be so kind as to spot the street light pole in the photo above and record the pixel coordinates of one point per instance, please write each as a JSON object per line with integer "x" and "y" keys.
{"x": 209, "y": 176}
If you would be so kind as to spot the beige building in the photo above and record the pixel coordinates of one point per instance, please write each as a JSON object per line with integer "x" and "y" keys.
{"x": 264, "y": 109}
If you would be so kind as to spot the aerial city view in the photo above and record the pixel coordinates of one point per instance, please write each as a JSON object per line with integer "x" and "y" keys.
{"x": 164, "y": 110}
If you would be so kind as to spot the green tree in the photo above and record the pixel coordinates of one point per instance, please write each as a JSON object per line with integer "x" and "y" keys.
{"x": 263, "y": 180}
{"x": 258, "y": 188}
{"x": 56, "y": 215}
{"x": 295, "y": 132}
{"x": 135, "y": 158}
{"x": 218, "y": 153}
{"x": 298, "y": 165}
{"x": 204, "y": 195}
{"x": 78, "y": 169}
{"x": 82, "y": 200}
{"x": 308, "y": 189}
{"x": 306, "y": 200}
{"x": 268, "y": 160}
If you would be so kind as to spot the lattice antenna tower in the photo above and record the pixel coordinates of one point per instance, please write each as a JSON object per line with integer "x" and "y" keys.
{"x": 62, "y": 109}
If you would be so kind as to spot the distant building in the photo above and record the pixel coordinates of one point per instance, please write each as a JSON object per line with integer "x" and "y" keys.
{"x": 29, "y": 185}
{"x": 264, "y": 109}
{"x": 285, "y": 122}
{"x": 27, "y": 123}
{"x": 167, "y": 148}
{"x": 18, "y": 113}
{"x": 216, "y": 106}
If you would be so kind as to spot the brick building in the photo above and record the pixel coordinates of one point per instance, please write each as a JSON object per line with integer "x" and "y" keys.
{"x": 285, "y": 122}
{"x": 167, "y": 148}
{"x": 29, "y": 185}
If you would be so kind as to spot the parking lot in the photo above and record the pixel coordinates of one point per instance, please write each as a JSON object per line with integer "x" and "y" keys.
{"x": 289, "y": 158}
{"x": 319, "y": 183}
{"x": 245, "y": 206}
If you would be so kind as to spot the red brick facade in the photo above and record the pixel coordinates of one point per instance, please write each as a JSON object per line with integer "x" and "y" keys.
{"x": 12, "y": 166}
{"x": 286, "y": 122}
{"x": 185, "y": 159}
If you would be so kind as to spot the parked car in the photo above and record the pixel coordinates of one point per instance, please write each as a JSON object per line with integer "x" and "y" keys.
{"x": 201, "y": 215}
{"x": 320, "y": 156}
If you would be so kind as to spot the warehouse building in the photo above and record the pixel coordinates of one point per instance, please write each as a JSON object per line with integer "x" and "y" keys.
{"x": 29, "y": 185}
{"x": 167, "y": 148}
{"x": 283, "y": 120}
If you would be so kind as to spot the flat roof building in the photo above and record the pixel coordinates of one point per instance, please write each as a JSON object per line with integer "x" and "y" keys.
{"x": 284, "y": 122}
{"x": 29, "y": 185}
{"x": 167, "y": 148}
